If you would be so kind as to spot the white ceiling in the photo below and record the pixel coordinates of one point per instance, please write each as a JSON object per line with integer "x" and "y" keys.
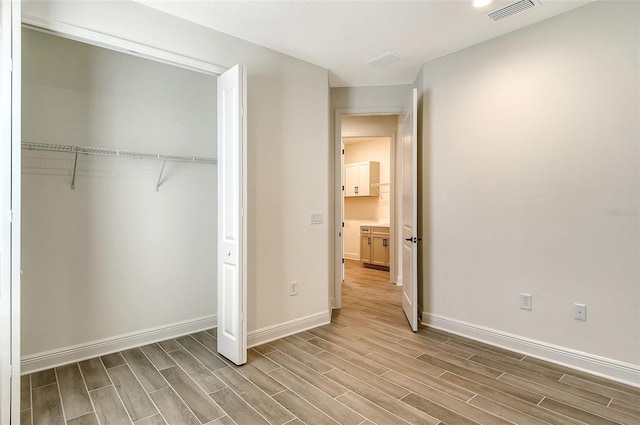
{"x": 343, "y": 35}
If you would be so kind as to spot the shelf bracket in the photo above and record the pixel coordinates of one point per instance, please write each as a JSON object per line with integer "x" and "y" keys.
{"x": 160, "y": 176}
{"x": 73, "y": 179}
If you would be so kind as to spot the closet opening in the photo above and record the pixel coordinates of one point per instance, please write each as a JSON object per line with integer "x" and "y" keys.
{"x": 119, "y": 207}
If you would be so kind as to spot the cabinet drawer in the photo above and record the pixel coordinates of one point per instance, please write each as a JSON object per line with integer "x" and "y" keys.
{"x": 365, "y": 229}
{"x": 379, "y": 229}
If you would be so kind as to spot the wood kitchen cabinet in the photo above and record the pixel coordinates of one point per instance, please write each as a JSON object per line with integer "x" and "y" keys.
{"x": 374, "y": 247}
{"x": 362, "y": 179}
{"x": 365, "y": 246}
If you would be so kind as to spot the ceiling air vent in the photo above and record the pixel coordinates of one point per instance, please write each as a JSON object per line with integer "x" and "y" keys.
{"x": 384, "y": 60}
{"x": 512, "y": 9}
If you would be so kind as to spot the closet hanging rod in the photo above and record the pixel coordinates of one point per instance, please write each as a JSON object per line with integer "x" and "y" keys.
{"x": 114, "y": 152}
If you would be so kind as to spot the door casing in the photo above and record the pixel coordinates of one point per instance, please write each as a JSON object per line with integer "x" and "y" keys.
{"x": 335, "y": 293}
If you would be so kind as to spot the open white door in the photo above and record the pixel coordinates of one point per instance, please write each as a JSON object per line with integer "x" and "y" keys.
{"x": 232, "y": 220}
{"x": 409, "y": 130}
{"x": 10, "y": 151}
{"x": 342, "y": 193}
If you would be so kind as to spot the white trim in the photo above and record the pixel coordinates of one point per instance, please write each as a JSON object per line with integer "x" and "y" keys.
{"x": 336, "y": 300}
{"x": 271, "y": 333}
{"x": 597, "y": 365}
{"x": 352, "y": 256}
{"x": 48, "y": 359}
{"x": 10, "y": 120}
{"x": 16, "y": 207}
{"x": 122, "y": 45}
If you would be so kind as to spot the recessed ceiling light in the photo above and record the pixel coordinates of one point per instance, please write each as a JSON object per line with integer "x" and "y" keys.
{"x": 482, "y": 3}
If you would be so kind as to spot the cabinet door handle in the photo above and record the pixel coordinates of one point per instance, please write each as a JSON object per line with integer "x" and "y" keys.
{"x": 355, "y": 190}
{"x": 384, "y": 242}
{"x": 369, "y": 241}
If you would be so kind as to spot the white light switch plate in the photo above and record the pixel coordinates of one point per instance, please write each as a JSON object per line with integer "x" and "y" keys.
{"x": 315, "y": 218}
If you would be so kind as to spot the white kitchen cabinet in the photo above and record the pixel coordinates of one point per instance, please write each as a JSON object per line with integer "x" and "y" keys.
{"x": 362, "y": 179}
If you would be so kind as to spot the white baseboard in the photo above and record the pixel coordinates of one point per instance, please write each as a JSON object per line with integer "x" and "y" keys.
{"x": 601, "y": 366}
{"x": 291, "y": 327}
{"x": 352, "y": 256}
{"x": 48, "y": 359}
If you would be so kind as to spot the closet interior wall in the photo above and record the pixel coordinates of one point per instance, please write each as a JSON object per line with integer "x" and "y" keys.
{"x": 114, "y": 257}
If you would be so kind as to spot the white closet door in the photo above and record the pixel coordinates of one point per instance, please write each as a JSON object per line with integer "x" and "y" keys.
{"x": 232, "y": 220}
{"x": 10, "y": 152}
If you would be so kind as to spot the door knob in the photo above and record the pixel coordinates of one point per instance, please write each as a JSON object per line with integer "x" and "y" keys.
{"x": 228, "y": 253}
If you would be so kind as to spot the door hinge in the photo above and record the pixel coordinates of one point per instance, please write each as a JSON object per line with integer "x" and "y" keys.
{"x": 343, "y": 224}
{"x": 343, "y": 261}
{"x": 242, "y": 110}
{"x": 10, "y": 216}
{"x": 342, "y": 151}
{"x": 343, "y": 188}
{"x": 241, "y": 212}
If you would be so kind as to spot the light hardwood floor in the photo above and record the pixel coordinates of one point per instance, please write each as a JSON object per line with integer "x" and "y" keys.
{"x": 366, "y": 367}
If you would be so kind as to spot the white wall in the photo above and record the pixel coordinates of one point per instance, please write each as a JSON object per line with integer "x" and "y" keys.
{"x": 113, "y": 256}
{"x": 371, "y": 99}
{"x": 288, "y": 155}
{"x": 369, "y": 125}
{"x": 532, "y": 176}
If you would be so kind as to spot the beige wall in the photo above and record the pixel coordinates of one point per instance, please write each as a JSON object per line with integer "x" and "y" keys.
{"x": 367, "y": 210}
{"x": 530, "y": 183}
{"x": 288, "y": 160}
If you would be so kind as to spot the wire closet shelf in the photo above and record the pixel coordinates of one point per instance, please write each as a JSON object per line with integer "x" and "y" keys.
{"x": 84, "y": 150}
{"x": 114, "y": 152}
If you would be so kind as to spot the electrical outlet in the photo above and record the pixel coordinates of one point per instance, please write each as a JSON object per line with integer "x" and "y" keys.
{"x": 579, "y": 311}
{"x": 293, "y": 288}
{"x": 526, "y": 301}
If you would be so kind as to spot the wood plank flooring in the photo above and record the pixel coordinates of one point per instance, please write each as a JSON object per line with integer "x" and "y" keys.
{"x": 366, "y": 367}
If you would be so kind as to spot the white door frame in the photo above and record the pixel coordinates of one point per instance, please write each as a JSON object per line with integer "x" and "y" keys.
{"x": 10, "y": 157}
{"x": 338, "y": 234}
{"x": 119, "y": 44}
